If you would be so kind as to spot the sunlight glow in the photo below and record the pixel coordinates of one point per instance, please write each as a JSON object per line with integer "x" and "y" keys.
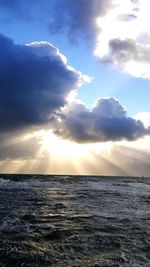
{"x": 50, "y": 154}
{"x": 65, "y": 148}
{"x": 60, "y": 147}
{"x": 70, "y": 155}
{"x": 58, "y": 156}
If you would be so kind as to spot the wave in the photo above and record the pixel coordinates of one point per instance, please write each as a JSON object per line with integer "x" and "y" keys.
{"x": 74, "y": 221}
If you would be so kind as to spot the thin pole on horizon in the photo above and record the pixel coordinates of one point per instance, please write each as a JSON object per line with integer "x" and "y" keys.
{"x": 142, "y": 177}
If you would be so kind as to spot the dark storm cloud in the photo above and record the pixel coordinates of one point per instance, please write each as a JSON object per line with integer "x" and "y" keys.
{"x": 34, "y": 82}
{"x": 107, "y": 121}
{"x": 78, "y": 17}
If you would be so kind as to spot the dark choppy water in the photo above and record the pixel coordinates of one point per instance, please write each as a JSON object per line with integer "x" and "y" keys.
{"x": 74, "y": 221}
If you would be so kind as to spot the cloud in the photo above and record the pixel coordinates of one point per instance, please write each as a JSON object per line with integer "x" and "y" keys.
{"x": 78, "y": 18}
{"x": 144, "y": 117}
{"x": 35, "y": 81}
{"x": 124, "y": 37}
{"x": 119, "y": 30}
{"x": 130, "y": 57}
{"x": 106, "y": 121}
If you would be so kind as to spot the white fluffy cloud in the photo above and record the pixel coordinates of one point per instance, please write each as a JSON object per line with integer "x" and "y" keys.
{"x": 124, "y": 39}
{"x": 119, "y": 30}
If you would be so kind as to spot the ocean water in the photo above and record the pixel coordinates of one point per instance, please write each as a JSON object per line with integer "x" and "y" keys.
{"x": 74, "y": 221}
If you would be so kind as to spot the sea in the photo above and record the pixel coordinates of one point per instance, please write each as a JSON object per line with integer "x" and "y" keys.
{"x": 74, "y": 221}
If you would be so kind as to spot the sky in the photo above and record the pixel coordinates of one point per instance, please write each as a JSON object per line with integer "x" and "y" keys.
{"x": 74, "y": 87}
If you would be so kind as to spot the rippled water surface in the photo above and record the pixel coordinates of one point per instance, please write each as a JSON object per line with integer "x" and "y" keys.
{"x": 74, "y": 221}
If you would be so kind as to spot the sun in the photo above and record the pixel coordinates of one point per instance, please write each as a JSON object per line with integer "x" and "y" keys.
{"x": 66, "y": 148}
{"x": 60, "y": 147}
{"x": 65, "y": 154}
{"x": 55, "y": 155}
